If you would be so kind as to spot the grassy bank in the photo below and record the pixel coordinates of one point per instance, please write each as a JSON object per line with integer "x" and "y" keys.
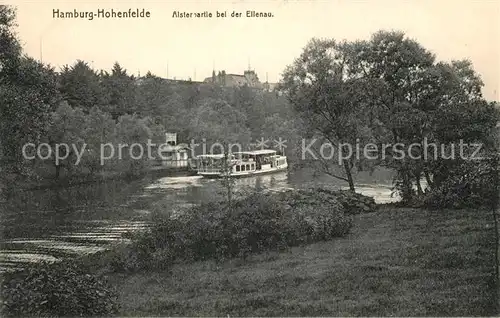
{"x": 397, "y": 261}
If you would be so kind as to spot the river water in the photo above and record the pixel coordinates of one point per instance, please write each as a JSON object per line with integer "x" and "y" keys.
{"x": 51, "y": 224}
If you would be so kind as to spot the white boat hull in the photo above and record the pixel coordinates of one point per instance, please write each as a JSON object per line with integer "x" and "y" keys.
{"x": 244, "y": 174}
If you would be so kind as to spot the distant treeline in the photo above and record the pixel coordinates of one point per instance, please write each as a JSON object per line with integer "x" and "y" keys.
{"x": 79, "y": 105}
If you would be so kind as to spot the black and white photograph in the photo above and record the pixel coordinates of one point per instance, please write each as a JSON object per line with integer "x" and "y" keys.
{"x": 249, "y": 158}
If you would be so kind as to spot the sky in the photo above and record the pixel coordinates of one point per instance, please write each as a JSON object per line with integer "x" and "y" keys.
{"x": 192, "y": 47}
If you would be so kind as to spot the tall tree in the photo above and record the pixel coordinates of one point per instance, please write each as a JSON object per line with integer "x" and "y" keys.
{"x": 99, "y": 130}
{"x": 153, "y": 96}
{"x": 28, "y": 92}
{"x": 132, "y": 132}
{"x": 67, "y": 128}
{"x": 81, "y": 86}
{"x": 217, "y": 121}
{"x": 414, "y": 99}
{"x": 392, "y": 65}
{"x": 121, "y": 89}
{"x": 10, "y": 48}
{"x": 321, "y": 88}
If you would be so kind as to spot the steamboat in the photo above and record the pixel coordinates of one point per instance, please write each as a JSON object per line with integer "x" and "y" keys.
{"x": 241, "y": 164}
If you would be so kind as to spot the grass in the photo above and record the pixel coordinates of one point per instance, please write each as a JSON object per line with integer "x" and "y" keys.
{"x": 397, "y": 261}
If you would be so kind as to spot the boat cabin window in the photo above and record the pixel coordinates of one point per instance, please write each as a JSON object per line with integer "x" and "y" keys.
{"x": 248, "y": 167}
{"x": 238, "y": 168}
{"x": 243, "y": 168}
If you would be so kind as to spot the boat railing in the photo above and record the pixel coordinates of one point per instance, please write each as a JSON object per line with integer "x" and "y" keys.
{"x": 209, "y": 169}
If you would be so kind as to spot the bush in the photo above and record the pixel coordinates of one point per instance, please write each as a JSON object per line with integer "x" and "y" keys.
{"x": 257, "y": 223}
{"x": 468, "y": 184}
{"x": 121, "y": 258}
{"x": 353, "y": 203}
{"x": 60, "y": 289}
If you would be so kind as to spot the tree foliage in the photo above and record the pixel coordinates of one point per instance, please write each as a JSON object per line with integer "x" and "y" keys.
{"x": 323, "y": 91}
{"x": 28, "y": 92}
{"x": 121, "y": 89}
{"x": 217, "y": 121}
{"x": 390, "y": 90}
{"x": 81, "y": 86}
{"x": 10, "y": 48}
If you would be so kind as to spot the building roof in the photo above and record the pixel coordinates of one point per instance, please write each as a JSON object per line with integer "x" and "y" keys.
{"x": 270, "y": 86}
{"x": 259, "y": 152}
{"x": 218, "y": 156}
{"x": 249, "y": 78}
{"x": 236, "y": 80}
{"x": 178, "y": 148}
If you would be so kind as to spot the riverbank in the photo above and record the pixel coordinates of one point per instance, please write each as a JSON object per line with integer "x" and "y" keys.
{"x": 27, "y": 184}
{"x": 396, "y": 261}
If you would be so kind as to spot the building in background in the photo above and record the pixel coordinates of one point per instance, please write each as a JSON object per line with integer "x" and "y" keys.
{"x": 248, "y": 78}
{"x": 174, "y": 155}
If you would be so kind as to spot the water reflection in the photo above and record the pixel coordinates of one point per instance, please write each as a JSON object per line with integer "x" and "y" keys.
{"x": 176, "y": 182}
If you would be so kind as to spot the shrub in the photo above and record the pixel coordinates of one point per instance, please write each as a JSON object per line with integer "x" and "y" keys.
{"x": 468, "y": 184}
{"x": 353, "y": 203}
{"x": 60, "y": 289}
{"x": 257, "y": 223}
{"x": 121, "y": 258}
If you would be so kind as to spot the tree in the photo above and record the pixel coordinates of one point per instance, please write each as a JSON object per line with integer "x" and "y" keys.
{"x": 216, "y": 121}
{"x": 132, "y": 133}
{"x": 249, "y": 101}
{"x": 414, "y": 99}
{"x": 323, "y": 92}
{"x": 463, "y": 115}
{"x": 81, "y": 86}
{"x": 10, "y": 48}
{"x": 27, "y": 95}
{"x": 121, "y": 89}
{"x": 99, "y": 130}
{"x": 156, "y": 100}
{"x": 392, "y": 67}
{"x": 67, "y": 128}
{"x": 227, "y": 179}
